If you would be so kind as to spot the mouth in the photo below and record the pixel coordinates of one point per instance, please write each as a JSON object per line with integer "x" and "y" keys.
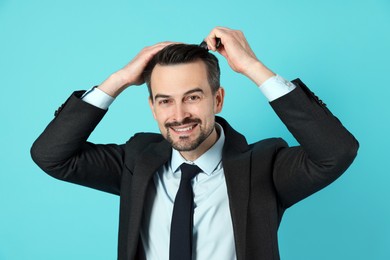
{"x": 185, "y": 129}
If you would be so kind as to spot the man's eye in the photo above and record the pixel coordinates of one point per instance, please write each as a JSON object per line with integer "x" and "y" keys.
{"x": 163, "y": 102}
{"x": 192, "y": 98}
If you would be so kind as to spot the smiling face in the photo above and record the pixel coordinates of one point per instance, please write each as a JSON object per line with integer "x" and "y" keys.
{"x": 185, "y": 107}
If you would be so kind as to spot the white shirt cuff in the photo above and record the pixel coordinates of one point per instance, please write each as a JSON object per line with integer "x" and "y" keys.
{"x": 275, "y": 87}
{"x": 98, "y": 98}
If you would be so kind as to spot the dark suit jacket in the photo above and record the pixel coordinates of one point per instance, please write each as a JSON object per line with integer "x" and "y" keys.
{"x": 263, "y": 179}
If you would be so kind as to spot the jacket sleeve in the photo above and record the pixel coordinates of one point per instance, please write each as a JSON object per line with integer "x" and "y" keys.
{"x": 326, "y": 148}
{"x": 63, "y": 152}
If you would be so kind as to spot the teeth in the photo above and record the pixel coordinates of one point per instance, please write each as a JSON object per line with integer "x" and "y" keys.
{"x": 183, "y": 129}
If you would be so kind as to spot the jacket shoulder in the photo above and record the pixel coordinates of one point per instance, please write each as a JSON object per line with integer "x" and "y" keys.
{"x": 142, "y": 143}
{"x": 268, "y": 144}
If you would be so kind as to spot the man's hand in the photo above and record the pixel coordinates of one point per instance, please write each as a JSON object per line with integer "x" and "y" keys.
{"x": 235, "y": 48}
{"x": 131, "y": 74}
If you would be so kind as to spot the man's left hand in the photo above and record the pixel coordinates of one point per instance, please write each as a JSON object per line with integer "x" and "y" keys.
{"x": 239, "y": 55}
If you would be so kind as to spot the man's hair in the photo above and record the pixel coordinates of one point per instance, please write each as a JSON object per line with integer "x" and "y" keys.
{"x": 181, "y": 54}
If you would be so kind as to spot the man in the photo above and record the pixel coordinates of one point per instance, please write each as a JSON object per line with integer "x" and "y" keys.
{"x": 241, "y": 191}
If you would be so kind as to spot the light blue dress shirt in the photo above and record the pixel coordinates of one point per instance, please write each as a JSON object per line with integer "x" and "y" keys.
{"x": 213, "y": 230}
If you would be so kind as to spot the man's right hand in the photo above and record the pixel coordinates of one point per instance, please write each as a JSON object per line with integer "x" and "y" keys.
{"x": 131, "y": 74}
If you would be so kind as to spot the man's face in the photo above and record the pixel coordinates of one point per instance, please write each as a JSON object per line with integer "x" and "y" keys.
{"x": 184, "y": 106}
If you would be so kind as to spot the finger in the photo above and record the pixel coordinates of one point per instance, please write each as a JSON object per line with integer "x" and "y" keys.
{"x": 159, "y": 46}
{"x": 224, "y": 34}
{"x": 210, "y": 43}
{"x": 214, "y": 39}
{"x": 221, "y": 50}
{"x": 149, "y": 52}
{"x": 217, "y": 44}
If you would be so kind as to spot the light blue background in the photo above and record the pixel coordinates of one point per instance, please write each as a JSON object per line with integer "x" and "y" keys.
{"x": 341, "y": 49}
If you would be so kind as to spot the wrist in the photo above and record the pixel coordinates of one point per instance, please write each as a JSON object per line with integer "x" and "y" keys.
{"x": 113, "y": 85}
{"x": 259, "y": 73}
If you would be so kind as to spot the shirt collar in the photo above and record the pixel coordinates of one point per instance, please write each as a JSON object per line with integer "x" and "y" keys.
{"x": 208, "y": 161}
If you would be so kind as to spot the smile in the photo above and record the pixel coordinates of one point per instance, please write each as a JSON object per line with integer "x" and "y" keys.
{"x": 183, "y": 129}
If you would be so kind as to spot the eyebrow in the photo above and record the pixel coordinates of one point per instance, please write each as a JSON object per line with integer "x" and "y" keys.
{"x": 186, "y": 93}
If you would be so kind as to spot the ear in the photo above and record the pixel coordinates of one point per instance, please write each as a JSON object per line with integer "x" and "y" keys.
{"x": 218, "y": 100}
{"x": 151, "y": 105}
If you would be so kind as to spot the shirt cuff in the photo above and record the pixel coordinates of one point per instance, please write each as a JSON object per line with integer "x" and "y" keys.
{"x": 275, "y": 87}
{"x": 98, "y": 98}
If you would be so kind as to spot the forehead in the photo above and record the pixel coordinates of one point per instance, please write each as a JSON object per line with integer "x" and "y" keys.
{"x": 179, "y": 78}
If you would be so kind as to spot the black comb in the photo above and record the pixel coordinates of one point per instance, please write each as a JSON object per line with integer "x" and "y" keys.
{"x": 203, "y": 44}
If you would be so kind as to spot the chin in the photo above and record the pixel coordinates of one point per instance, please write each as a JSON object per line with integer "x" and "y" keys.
{"x": 184, "y": 146}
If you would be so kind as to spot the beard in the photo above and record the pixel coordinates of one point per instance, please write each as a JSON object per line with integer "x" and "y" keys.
{"x": 185, "y": 144}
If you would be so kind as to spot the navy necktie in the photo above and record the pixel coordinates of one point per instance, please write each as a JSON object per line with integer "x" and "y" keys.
{"x": 180, "y": 247}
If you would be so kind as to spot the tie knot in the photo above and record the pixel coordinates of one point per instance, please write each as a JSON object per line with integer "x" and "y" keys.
{"x": 189, "y": 171}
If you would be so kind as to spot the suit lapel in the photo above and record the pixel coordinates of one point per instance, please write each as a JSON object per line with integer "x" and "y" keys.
{"x": 236, "y": 161}
{"x": 237, "y": 174}
{"x": 147, "y": 165}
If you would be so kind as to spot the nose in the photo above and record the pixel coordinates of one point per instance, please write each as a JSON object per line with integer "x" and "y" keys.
{"x": 180, "y": 112}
